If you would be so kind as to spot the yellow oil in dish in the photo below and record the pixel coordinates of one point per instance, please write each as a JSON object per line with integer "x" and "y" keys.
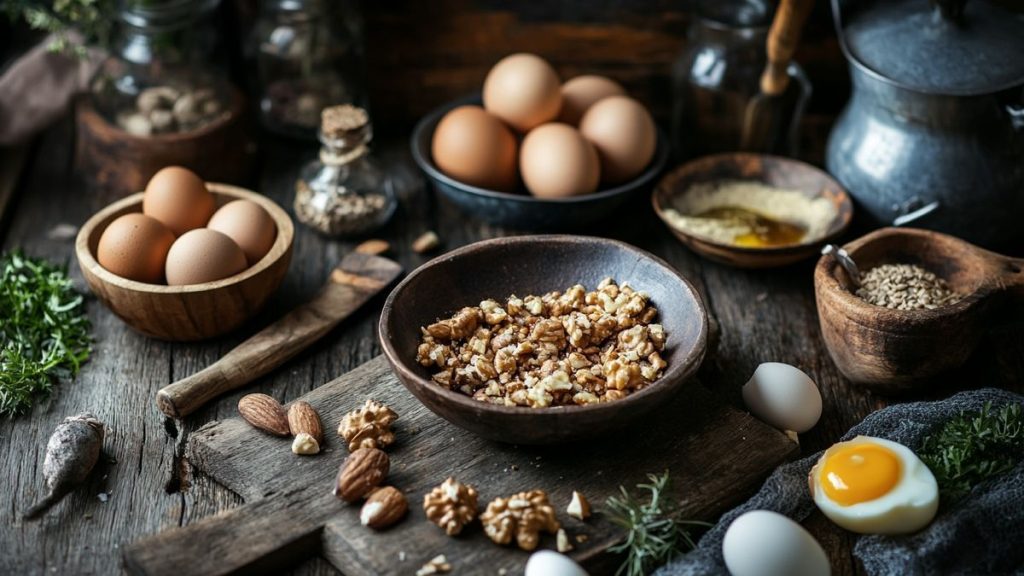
{"x": 764, "y": 232}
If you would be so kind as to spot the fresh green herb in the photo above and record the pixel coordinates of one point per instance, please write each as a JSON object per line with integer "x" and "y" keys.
{"x": 44, "y": 333}
{"x": 89, "y": 17}
{"x": 655, "y": 533}
{"x": 974, "y": 447}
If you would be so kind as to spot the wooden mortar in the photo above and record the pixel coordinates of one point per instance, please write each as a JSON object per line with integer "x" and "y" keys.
{"x": 899, "y": 351}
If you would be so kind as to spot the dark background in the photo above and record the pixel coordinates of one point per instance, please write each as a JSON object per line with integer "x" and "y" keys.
{"x": 422, "y": 54}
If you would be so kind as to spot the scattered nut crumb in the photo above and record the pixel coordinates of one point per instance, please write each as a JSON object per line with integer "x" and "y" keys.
{"x": 401, "y": 555}
{"x": 375, "y": 246}
{"x": 437, "y": 565}
{"x": 305, "y": 445}
{"x": 103, "y": 496}
{"x": 581, "y": 538}
{"x": 562, "y": 541}
{"x": 579, "y": 508}
{"x": 426, "y": 242}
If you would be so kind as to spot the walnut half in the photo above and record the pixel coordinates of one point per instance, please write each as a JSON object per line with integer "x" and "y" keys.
{"x": 522, "y": 516}
{"x": 369, "y": 426}
{"x": 451, "y": 505}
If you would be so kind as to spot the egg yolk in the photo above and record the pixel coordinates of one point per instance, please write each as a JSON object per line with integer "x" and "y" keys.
{"x": 860, "y": 473}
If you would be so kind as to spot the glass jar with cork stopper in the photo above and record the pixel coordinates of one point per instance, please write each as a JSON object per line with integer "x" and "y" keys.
{"x": 344, "y": 193}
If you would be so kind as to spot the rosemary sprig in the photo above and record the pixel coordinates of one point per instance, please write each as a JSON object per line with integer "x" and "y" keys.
{"x": 655, "y": 534}
{"x": 44, "y": 333}
{"x": 973, "y": 447}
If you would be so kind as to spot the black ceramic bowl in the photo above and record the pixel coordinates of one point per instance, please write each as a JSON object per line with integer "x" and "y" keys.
{"x": 526, "y": 265}
{"x": 521, "y": 210}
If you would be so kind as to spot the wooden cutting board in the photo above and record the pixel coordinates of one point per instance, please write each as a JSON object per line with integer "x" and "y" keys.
{"x": 717, "y": 456}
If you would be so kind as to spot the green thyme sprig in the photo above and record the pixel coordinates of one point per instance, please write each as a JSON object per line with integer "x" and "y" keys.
{"x": 655, "y": 533}
{"x": 973, "y": 447}
{"x": 44, "y": 333}
{"x": 90, "y": 17}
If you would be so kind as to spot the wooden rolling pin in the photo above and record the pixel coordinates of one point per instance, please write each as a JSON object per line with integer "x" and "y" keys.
{"x": 358, "y": 278}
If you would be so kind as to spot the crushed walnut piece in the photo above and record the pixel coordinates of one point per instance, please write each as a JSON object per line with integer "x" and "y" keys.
{"x": 559, "y": 349}
{"x": 522, "y": 516}
{"x": 369, "y": 426}
{"x": 437, "y": 565}
{"x": 451, "y": 505}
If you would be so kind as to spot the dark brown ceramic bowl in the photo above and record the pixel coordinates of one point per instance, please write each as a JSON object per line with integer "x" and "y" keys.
{"x": 526, "y": 265}
{"x": 771, "y": 170}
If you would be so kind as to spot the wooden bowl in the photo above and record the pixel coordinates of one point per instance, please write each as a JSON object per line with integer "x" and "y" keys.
{"x": 520, "y": 209}
{"x": 193, "y": 312}
{"x": 771, "y": 170}
{"x": 122, "y": 162}
{"x": 534, "y": 265}
{"x": 900, "y": 351}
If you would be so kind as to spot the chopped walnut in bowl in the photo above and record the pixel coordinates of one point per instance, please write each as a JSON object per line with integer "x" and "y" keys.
{"x": 558, "y": 349}
{"x": 489, "y": 368}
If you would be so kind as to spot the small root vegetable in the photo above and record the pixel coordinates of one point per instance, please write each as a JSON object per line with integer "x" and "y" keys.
{"x": 71, "y": 454}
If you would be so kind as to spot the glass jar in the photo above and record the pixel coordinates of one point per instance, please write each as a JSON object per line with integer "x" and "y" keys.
{"x": 158, "y": 79}
{"x": 308, "y": 56}
{"x": 344, "y": 193}
{"x": 717, "y": 75}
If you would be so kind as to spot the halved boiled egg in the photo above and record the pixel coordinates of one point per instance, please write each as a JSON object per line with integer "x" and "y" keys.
{"x": 874, "y": 486}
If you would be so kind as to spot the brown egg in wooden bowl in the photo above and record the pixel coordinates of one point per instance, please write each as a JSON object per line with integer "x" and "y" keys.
{"x": 196, "y": 311}
{"x": 752, "y": 210}
{"x": 536, "y": 265}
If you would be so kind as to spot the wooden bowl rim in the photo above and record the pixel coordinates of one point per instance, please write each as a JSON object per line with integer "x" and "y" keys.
{"x": 234, "y": 112}
{"x": 877, "y": 317}
{"x": 281, "y": 246}
{"x": 426, "y": 164}
{"x": 674, "y": 376}
{"x": 838, "y": 225}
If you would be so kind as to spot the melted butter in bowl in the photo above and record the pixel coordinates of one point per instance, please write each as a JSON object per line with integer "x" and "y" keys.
{"x": 750, "y": 214}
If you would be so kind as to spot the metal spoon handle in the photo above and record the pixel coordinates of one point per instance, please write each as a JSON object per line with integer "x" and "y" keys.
{"x": 844, "y": 259}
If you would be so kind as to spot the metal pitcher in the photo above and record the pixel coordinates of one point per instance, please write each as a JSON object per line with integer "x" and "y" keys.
{"x": 936, "y": 118}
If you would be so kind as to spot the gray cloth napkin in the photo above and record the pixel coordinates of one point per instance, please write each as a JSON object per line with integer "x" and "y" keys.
{"x": 983, "y": 533}
{"x": 38, "y": 87}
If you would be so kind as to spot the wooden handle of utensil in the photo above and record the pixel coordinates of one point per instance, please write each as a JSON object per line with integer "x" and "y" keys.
{"x": 782, "y": 40}
{"x": 357, "y": 279}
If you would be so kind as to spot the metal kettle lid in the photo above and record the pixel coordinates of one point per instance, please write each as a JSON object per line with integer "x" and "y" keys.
{"x": 950, "y": 47}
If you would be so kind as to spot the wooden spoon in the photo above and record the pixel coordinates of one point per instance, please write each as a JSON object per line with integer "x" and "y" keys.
{"x": 357, "y": 279}
{"x": 897, "y": 351}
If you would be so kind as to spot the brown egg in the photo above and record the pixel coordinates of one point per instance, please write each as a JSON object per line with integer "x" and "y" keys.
{"x": 203, "y": 255}
{"x": 179, "y": 199}
{"x": 523, "y": 90}
{"x": 624, "y": 134}
{"x": 556, "y": 161}
{"x": 474, "y": 147}
{"x": 582, "y": 92}
{"x": 249, "y": 225}
{"x": 134, "y": 246}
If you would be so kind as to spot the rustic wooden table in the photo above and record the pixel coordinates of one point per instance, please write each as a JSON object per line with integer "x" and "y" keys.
{"x": 146, "y": 484}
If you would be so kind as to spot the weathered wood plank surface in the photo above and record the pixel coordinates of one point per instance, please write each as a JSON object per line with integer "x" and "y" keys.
{"x": 761, "y": 316}
{"x": 718, "y": 456}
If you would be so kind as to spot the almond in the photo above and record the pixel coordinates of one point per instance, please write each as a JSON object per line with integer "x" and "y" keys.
{"x": 579, "y": 508}
{"x": 384, "y": 507}
{"x": 373, "y": 246}
{"x": 265, "y": 413}
{"x": 302, "y": 418}
{"x": 360, "y": 473}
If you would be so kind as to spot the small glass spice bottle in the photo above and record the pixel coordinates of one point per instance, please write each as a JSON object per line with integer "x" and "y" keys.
{"x": 344, "y": 193}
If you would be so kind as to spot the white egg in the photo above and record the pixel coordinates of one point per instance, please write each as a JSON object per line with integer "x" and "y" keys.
{"x": 766, "y": 543}
{"x": 783, "y": 396}
{"x": 874, "y": 486}
{"x": 551, "y": 563}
